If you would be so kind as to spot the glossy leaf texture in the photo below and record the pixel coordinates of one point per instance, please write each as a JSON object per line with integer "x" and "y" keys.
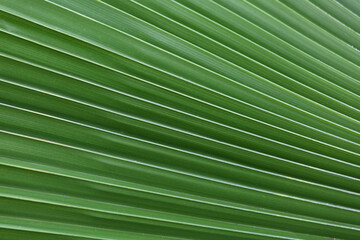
{"x": 186, "y": 119}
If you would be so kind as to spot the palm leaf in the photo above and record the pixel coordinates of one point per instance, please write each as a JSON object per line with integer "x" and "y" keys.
{"x": 161, "y": 119}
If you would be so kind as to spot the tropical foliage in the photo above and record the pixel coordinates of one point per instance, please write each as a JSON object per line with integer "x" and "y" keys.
{"x": 187, "y": 119}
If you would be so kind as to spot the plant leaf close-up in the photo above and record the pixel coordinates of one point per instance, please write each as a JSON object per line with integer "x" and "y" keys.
{"x": 179, "y": 119}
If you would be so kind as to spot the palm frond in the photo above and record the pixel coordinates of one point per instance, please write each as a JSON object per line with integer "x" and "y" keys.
{"x": 159, "y": 119}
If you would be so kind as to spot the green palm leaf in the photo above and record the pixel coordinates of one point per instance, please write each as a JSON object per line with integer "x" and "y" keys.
{"x": 159, "y": 119}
